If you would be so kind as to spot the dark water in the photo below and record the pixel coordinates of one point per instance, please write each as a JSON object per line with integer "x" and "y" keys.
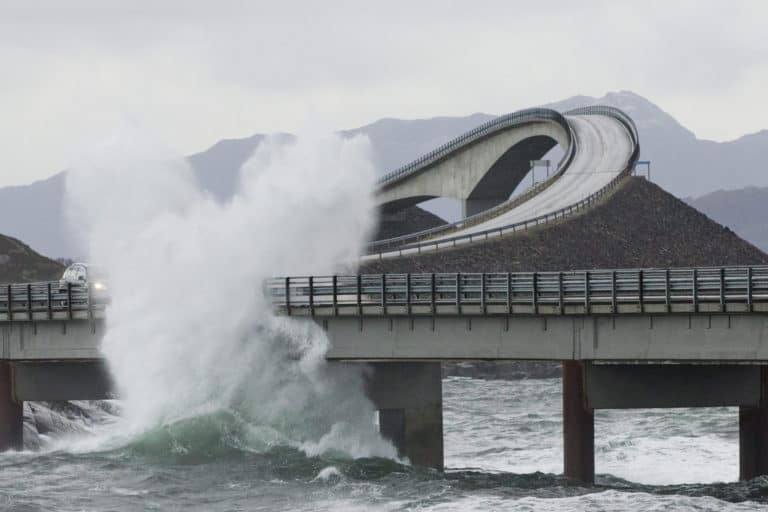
{"x": 503, "y": 450}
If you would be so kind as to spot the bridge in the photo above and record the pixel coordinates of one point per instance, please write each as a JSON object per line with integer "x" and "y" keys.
{"x": 627, "y": 338}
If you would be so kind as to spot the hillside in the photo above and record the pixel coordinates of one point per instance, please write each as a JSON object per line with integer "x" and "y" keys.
{"x": 639, "y": 225}
{"x": 744, "y": 211}
{"x": 19, "y": 263}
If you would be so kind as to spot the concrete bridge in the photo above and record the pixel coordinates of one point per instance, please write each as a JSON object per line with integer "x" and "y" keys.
{"x": 693, "y": 337}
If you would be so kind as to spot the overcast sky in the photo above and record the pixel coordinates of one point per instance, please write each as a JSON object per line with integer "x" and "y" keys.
{"x": 196, "y": 72}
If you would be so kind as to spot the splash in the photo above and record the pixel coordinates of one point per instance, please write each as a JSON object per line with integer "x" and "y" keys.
{"x": 189, "y": 331}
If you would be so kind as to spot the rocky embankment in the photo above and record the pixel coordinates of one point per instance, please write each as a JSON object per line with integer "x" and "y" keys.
{"x": 638, "y": 226}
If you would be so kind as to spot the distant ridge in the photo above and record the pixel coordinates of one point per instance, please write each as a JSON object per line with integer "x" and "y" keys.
{"x": 744, "y": 210}
{"x": 681, "y": 163}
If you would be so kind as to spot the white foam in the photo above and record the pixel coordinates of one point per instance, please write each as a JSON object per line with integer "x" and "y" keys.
{"x": 188, "y": 326}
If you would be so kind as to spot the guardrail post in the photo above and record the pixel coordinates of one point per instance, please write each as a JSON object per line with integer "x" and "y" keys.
{"x": 749, "y": 289}
{"x": 482, "y": 293}
{"x": 433, "y": 291}
{"x": 288, "y": 296}
{"x": 586, "y": 292}
{"x": 408, "y": 293}
{"x": 458, "y": 293}
{"x": 335, "y": 296}
{"x": 509, "y": 293}
{"x": 90, "y": 310}
{"x": 311, "y": 296}
{"x": 534, "y": 293}
{"x": 383, "y": 294}
{"x": 8, "y": 306}
{"x": 29, "y": 301}
{"x": 722, "y": 289}
{"x": 613, "y": 291}
{"x": 50, "y": 302}
{"x": 667, "y": 291}
{"x": 640, "y": 291}
{"x": 560, "y": 301}
{"x": 69, "y": 300}
{"x": 359, "y": 295}
{"x": 694, "y": 290}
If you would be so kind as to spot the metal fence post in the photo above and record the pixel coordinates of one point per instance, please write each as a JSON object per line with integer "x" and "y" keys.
{"x": 50, "y": 302}
{"x": 694, "y": 290}
{"x": 311, "y": 295}
{"x": 335, "y": 296}
{"x": 586, "y": 292}
{"x": 288, "y": 296}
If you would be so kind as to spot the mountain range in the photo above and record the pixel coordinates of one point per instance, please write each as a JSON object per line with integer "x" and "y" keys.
{"x": 681, "y": 163}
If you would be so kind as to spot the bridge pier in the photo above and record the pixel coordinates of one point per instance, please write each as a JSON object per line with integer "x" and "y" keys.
{"x": 11, "y": 412}
{"x": 578, "y": 426}
{"x": 753, "y": 434}
{"x": 409, "y": 398}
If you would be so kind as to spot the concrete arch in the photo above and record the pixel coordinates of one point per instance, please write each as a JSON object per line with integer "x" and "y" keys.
{"x": 483, "y": 171}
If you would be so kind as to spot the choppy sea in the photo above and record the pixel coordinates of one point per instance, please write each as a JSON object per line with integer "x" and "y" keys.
{"x": 503, "y": 442}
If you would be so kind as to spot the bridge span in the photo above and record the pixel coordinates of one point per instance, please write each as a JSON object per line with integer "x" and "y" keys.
{"x": 484, "y": 166}
{"x": 694, "y": 337}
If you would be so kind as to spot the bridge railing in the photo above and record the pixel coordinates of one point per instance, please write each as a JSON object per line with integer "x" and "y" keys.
{"x": 415, "y": 243}
{"x": 724, "y": 289}
{"x": 52, "y": 300}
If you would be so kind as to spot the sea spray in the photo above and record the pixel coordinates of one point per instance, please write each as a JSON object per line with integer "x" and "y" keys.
{"x": 189, "y": 331}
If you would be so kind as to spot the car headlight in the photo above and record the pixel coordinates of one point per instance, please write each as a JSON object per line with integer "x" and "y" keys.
{"x": 99, "y": 286}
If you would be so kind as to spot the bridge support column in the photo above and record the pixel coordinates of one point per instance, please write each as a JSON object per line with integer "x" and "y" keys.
{"x": 409, "y": 398}
{"x": 578, "y": 426}
{"x": 11, "y": 412}
{"x": 753, "y": 434}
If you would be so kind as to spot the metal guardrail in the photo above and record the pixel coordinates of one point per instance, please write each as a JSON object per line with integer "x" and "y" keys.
{"x": 691, "y": 290}
{"x": 416, "y": 242}
{"x": 52, "y": 300}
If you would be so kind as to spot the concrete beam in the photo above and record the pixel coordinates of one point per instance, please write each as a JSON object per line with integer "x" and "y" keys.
{"x": 53, "y": 340}
{"x": 622, "y": 386}
{"x": 627, "y": 337}
{"x": 409, "y": 399}
{"x": 61, "y": 380}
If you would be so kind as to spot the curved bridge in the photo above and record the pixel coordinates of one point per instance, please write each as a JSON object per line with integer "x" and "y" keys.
{"x": 484, "y": 166}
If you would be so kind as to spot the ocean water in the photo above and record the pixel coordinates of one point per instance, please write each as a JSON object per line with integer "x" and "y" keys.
{"x": 503, "y": 443}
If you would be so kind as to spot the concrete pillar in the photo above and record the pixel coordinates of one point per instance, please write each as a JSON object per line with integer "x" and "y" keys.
{"x": 11, "y": 412}
{"x": 578, "y": 426}
{"x": 753, "y": 434}
{"x": 409, "y": 398}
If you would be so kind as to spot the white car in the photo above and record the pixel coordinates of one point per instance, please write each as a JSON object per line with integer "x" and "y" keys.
{"x": 89, "y": 277}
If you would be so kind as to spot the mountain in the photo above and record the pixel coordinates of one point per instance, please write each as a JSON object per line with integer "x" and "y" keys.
{"x": 681, "y": 163}
{"x": 744, "y": 211}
